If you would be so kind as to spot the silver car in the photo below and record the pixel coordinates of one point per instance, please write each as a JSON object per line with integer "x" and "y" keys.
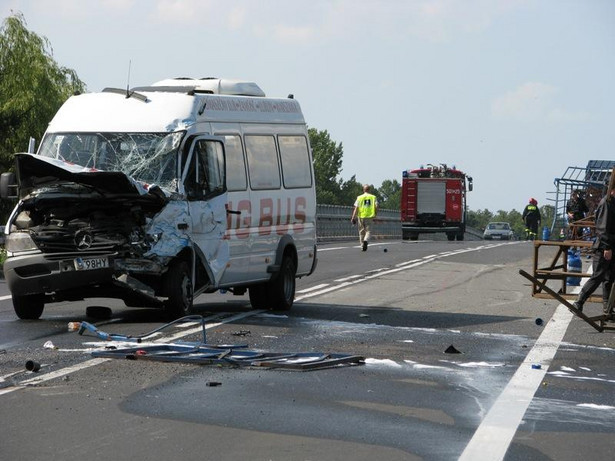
{"x": 498, "y": 231}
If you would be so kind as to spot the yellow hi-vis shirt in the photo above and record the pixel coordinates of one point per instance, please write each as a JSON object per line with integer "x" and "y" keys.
{"x": 366, "y": 205}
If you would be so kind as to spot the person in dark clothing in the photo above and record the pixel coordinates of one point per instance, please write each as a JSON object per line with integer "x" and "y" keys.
{"x": 531, "y": 218}
{"x": 575, "y": 210}
{"x": 603, "y": 263}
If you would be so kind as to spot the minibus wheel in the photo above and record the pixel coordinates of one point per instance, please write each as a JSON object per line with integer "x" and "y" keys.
{"x": 283, "y": 286}
{"x": 178, "y": 287}
{"x": 29, "y": 307}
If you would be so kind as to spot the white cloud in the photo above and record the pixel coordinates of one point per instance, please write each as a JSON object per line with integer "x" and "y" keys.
{"x": 533, "y": 102}
{"x": 295, "y": 34}
{"x": 185, "y": 11}
{"x": 237, "y": 18}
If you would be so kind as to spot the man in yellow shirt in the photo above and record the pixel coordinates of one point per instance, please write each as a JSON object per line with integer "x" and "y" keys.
{"x": 365, "y": 208}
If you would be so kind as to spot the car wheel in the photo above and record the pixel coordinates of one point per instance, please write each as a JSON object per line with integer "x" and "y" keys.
{"x": 282, "y": 287}
{"x": 29, "y": 307}
{"x": 179, "y": 290}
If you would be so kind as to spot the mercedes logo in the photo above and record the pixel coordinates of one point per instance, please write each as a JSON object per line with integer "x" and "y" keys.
{"x": 83, "y": 240}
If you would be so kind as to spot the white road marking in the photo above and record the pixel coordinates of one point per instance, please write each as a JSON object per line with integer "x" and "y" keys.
{"x": 316, "y": 287}
{"x": 348, "y": 281}
{"x": 492, "y": 438}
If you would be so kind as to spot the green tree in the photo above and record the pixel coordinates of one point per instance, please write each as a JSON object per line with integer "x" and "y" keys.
{"x": 390, "y": 194}
{"x": 349, "y": 191}
{"x": 327, "y": 166}
{"x": 32, "y": 88}
{"x": 479, "y": 219}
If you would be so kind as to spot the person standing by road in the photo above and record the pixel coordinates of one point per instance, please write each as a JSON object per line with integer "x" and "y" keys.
{"x": 603, "y": 263}
{"x": 575, "y": 210}
{"x": 531, "y": 218}
{"x": 366, "y": 209}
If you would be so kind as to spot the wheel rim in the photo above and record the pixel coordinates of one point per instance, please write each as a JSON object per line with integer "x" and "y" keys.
{"x": 289, "y": 283}
{"x": 186, "y": 291}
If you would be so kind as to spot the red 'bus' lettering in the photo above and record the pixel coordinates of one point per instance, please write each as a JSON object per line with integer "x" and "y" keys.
{"x": 266, "y": 217}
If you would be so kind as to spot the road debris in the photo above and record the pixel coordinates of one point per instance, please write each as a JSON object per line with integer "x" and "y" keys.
{"x": 33, "y": 366}
{"x": 207, "y": 354}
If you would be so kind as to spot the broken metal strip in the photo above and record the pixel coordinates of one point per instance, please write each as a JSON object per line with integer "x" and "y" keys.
{"x": 203, "y": 356}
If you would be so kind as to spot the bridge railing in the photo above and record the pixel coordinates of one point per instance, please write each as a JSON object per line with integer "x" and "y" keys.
{"x": 333, "y": 223}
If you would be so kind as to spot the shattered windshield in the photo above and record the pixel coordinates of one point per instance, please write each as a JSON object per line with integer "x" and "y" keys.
{"x": 150, "y": 158}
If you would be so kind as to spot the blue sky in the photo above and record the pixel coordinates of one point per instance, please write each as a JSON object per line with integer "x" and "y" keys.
{"x": 512, "y": 91}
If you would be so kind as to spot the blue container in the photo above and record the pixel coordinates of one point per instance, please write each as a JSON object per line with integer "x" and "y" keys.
{"x": 574, "y": 265}
{"x": 546, "y": 233}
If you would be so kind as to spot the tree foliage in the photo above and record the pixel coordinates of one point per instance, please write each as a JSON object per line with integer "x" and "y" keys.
{"x": 327, "y": 156}
{"x": 32, "y": 87}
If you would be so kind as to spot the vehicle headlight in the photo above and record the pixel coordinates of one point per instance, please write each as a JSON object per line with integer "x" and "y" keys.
{"x": 19, "y": 241}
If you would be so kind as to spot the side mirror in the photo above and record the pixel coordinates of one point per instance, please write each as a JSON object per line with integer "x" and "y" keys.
{"x": 470, "y": 187}
{"x": 8, "y": 186}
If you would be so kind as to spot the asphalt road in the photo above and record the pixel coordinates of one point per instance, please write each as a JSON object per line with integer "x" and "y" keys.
{"x": 515, "y": 390}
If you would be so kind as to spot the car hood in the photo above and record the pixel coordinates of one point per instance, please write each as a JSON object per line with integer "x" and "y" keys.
{"x": 35, "y": 171}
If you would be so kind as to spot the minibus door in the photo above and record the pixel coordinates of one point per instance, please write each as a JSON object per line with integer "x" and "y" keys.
{"x": 204, "y": 184}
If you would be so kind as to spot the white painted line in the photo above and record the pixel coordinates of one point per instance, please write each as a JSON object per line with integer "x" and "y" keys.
{"x": 492, "y": 438}
{"x": 333, "y": 248}
{"x": 349, "y": 278}
{"x": 97, "y": 361}
{"x": 4, "y": 298}
{"x": 54, "y": 374}
{"x": 315, "y": 287}
{"x": 398, "y": 268}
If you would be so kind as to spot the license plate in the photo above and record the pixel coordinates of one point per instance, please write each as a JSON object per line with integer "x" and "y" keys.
{"x": 88, "y": 264}
{"x": 497, "y": 236}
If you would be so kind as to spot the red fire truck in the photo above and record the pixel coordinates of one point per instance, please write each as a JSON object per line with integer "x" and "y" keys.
{"x": 433, "y": 199}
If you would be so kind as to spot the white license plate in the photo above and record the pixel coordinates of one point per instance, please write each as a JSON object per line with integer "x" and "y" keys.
{"x": 88, "y": 264}
{"x": 497, "y": 236}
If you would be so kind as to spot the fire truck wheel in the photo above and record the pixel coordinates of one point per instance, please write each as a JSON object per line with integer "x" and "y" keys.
{"x": 460, "y": 236}
{"x": 29, "y": 307}
{"x": 178, "y": 287}
{"x": 450, "y": 237}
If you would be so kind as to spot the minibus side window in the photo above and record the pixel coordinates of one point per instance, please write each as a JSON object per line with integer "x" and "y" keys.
{"x": 262, "y": 162}
{"x": 235, "y": 164}
{"x": 296, "y": 169}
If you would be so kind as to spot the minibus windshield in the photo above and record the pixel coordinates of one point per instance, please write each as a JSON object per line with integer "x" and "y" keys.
{"x": 150, "y": 158}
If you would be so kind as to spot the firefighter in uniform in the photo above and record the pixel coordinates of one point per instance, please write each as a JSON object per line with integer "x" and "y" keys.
{"x": 603, "y": 262}
{"x": 531, "y": 218}
{"x": 365, "y": 208}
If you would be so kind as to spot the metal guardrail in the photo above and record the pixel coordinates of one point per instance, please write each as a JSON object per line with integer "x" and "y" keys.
{"x": 333, "y": 223}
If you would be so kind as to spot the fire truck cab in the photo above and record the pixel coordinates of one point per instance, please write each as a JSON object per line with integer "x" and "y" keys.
{"x": 434, "y": 200}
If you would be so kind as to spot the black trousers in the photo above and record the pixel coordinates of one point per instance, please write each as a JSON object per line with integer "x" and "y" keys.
{"x": 603, "y": 272}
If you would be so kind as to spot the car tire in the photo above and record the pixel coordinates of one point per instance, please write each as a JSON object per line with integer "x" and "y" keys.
{"x": 29, "y": 307}
{"x": 279, "y": 293}
{"x": 179, "y": 290}
{"x": 282, "y": 287}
